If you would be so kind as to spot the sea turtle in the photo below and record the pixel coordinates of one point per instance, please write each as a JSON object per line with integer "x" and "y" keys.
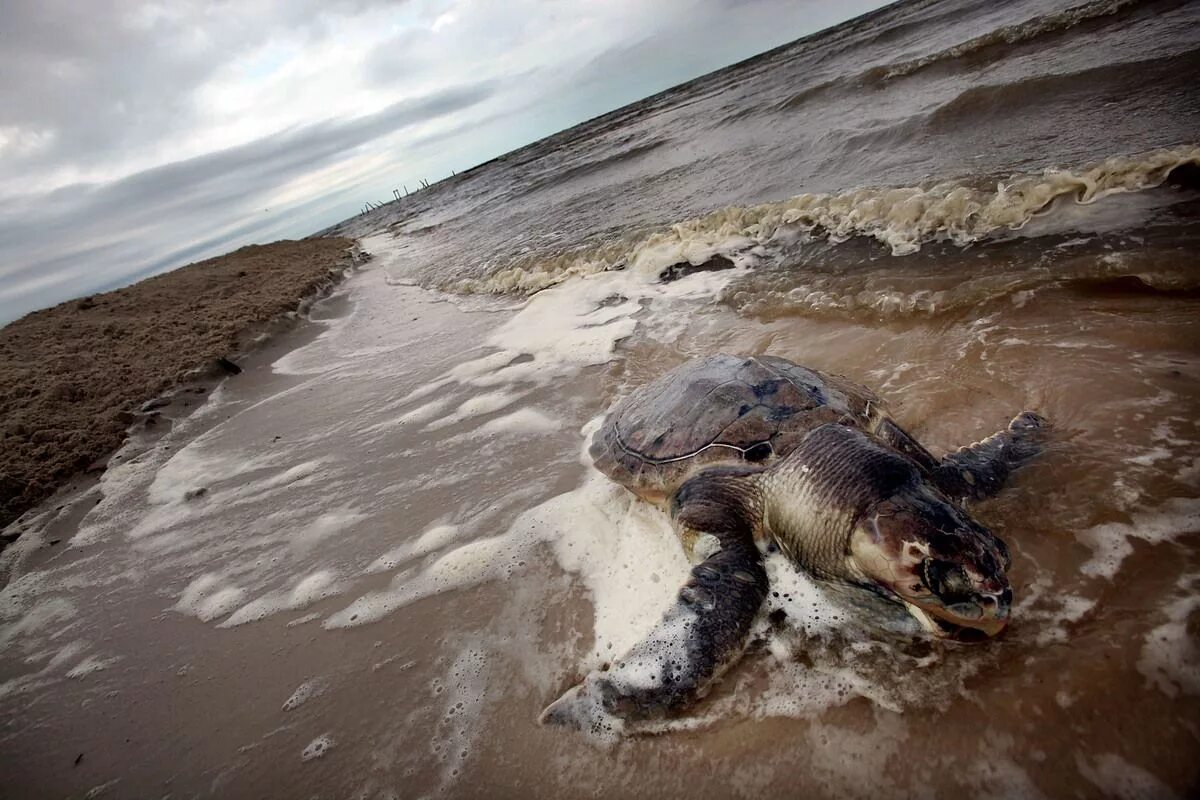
{"x": 750, "y": 453}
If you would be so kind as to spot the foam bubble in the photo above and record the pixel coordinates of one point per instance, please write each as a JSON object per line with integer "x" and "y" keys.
{"x": 430, "y": 540}
{"x": 306, "y": 691}
{"x": 523, "y": 421}
{"x": 299, "y": 472}
{"x": 454, "y": 733}
{"x": 309, "y": 589}
{"x": 208, "y": 597}
{"x": 317, "y": 748}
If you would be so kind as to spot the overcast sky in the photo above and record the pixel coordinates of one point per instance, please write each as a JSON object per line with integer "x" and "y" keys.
{"x": 139, "y": 136}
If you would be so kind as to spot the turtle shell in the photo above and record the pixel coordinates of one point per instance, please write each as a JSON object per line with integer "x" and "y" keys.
{"x": 721, "y": 408}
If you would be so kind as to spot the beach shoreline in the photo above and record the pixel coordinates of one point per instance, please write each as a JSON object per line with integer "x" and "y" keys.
{"x": 79, "y": 377}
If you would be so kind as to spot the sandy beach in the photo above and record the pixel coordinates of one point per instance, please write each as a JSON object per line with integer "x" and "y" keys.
{"x": 74, "y": 377}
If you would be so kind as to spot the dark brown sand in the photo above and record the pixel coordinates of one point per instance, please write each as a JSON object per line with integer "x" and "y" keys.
{"x": 73, "y": 377}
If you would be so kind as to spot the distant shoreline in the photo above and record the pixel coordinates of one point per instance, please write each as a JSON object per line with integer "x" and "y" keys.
{"x": 75, "y": 377}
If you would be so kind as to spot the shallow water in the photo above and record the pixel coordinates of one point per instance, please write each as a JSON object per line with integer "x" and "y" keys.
{"x": 400, "y": 555}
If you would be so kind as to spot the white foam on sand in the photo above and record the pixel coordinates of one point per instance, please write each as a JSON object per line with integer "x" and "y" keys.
{"x": 1052, "y": 611}
{"x": 625, "y": 554}
{"x": 34, "y": 615}
{"x": 557, "y": 333}
{"x": 198, "y": 481}
{"x": 465, "y": 691}
{"x": 623, "y": 550}
{"x": 308, "y": 590}
{"x": 1170, "y": 659}
{"x": 476, "y": 406}
{"x": 89, "y": 665}
{"x": 56, "y": 658}
{"x": 1110, "y": 542}
{"x": 433, "y": 538}
{"x": 306, "y": 691}
{"x": 209, "y": 596}
{"x": 468, "y": 565}
{"x": 522, "y": 421}
{"x": 325, "y": 526}
{"x": 1116, "y": 777}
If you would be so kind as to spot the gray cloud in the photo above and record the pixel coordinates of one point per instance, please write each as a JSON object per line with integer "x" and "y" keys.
{"x": 67, "y": 236}
{"x": 107, "y": 76}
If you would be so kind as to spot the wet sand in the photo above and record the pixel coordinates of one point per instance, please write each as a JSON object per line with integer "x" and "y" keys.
{"x": 74, "y": 377}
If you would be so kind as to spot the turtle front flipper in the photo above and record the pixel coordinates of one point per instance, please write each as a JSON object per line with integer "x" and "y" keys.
{"x": 979, "y": 471}
{"x": 705, "y": 630}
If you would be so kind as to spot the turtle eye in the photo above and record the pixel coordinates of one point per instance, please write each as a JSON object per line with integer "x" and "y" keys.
{"x": 947, "y": 580}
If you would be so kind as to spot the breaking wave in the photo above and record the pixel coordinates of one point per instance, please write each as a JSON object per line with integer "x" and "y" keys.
{"x": 901, "y": 218}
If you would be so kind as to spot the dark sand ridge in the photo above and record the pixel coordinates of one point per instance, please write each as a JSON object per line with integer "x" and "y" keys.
{"x": 72, "y": 377}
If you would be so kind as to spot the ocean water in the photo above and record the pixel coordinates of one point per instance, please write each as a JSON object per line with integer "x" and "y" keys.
{"x": 401, "y": 553}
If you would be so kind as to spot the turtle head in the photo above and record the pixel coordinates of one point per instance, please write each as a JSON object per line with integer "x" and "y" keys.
{"x": 927, "y": 553}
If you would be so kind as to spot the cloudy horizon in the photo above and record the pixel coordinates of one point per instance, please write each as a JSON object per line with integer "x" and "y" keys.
{"x": 140, "y": 136}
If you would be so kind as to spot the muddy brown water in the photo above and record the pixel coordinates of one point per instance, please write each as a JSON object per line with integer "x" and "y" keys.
{"x": 111, "y": 678}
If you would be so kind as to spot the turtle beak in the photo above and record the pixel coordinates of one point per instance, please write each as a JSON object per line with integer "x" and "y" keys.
{"x": 982, "y": 617}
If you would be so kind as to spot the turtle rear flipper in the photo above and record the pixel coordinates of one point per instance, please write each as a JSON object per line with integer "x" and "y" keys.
{"x": 979, "y": 471}
{"x": 705, "y": 630}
